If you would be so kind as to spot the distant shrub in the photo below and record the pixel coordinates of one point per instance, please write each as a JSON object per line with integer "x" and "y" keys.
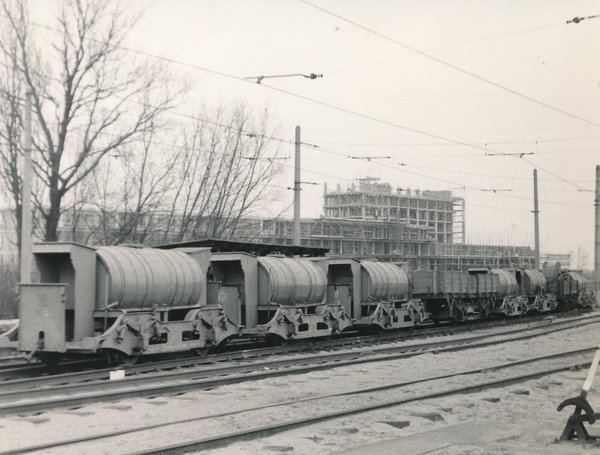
{"x": 9, "y": 275}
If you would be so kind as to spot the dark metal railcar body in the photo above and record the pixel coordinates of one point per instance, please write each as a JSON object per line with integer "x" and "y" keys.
{"x": 456, "y": 295}
{"x": 480, "y": 293}
{"x": 570, "y": 287}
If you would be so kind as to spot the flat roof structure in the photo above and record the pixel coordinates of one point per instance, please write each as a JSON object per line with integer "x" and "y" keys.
{"x": 257, "y": 249}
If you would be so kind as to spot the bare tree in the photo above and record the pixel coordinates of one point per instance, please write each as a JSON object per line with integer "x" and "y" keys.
{"x": 94, "y": 101}
{"x": 158, "y": 191}
{"x": 581, "y": 258}
{"x": 9, "y": 305}
{"x": 128, "y": 211}
{"x": 11, "y": 124}
{"x": 226, "y": 168}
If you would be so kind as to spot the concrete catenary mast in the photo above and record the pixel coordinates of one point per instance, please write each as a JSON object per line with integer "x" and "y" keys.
{"x": 597, "y": 237}
{"x": 536, "y": 219}
{"x": 296, "y": 239}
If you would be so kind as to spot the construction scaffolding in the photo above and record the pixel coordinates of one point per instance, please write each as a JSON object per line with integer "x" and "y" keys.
{"x": 373, "y": 201}
{"x": 382, "y": 240}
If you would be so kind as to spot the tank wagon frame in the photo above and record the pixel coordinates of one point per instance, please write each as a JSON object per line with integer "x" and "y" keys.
{"x": 72, "y": 311}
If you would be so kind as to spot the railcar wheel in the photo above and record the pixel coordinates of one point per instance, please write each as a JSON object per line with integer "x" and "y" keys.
{"x": 50, "y": 359}
{"x": 275, "y": 340}
{"x": 376, "y": 329}
{"x": 120, "y": 359}
{"x": 200, "y": 352}
{"x": 127, "y": 360}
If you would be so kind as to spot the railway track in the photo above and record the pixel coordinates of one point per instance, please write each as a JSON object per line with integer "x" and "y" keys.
{"x": 310, "y": 410}
{"x": 19, "y": 368}
{"x": 31, "y": 395}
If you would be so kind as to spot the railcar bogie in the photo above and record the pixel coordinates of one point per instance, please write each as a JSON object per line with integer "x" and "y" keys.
{"x": 512, "y": 306}
{"x": 393, "y": 315}
{"x": 302, "y": 322}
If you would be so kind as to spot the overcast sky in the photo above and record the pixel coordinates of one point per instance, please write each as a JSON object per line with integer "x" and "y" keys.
{"x": 444, "y": 88}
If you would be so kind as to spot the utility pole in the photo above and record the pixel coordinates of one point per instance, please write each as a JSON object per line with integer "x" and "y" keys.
{"x": 597, "y": 237}
{"x": 26, "y": 195}
{"x": 536, "y": 213}
{"x": 297, "y": 190}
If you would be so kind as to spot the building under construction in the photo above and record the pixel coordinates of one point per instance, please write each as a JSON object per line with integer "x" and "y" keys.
{"x": 367, "y": 221}
{"x": 372, "y": 221}
{"x": 439, "y": 211}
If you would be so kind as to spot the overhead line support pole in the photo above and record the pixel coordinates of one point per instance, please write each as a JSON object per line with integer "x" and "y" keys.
{"x": 597, "y": 237}
{"x": 536, "y": 220}
{"x": 297, "y": 189}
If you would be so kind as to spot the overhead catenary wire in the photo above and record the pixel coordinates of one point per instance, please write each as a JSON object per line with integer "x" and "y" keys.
{"x": 438, "y": 144}
{"x": 447, "y": 46}
{"x": 449, "y": 182}
{"x": 348, "y": 111}
{"x": 453, "y": 142}
{"x": 442, "y": 62}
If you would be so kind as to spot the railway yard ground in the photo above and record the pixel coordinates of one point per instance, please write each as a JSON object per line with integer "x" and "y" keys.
{"x": 516, "y": 417}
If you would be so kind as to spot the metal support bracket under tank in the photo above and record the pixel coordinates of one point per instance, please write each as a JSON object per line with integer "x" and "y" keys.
{"x": 387, "y": 317}
{"x": 587, "y": 299}
{"x": 301, "y": 322}
{"x": 467, "y": 309}
{"x": 513, "y": 306}
{"x": 141, "y": 332}
{"x": 542, "y": 303}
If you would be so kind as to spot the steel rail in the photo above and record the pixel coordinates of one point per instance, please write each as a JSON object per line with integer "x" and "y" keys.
{"x": 347, "y": 340}
{"x": 142, "y": 386}
{"x": 270, "y": 430}
{"x": 321, "y": 397}
{"x": 27, "y": 369}
{"x": 80, "y": 382}
{"x": 242, "y": 355}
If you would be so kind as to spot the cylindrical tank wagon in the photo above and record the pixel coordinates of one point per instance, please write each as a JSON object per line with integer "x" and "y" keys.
{"x": 384, "y": 302}
{"x": 292, "y": 301}
{"x": 121, "y": 301}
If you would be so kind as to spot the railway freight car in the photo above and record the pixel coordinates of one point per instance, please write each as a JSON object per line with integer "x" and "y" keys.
{"x": 276, "y": 297}
{"x": 124, "y": 301}
{"x": 481, "y": 292}
{"x": 384, "y": 302}
{"x": 119, "y": 301}
{"x": 569, "y": 287}
{"x": 457, "y": 296}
